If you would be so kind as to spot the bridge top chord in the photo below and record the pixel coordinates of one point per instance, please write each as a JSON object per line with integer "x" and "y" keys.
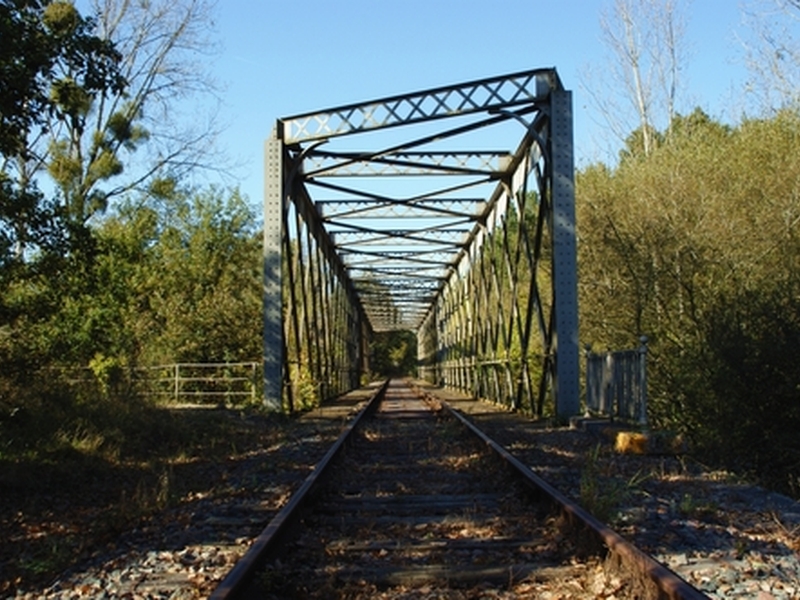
{"x": 476, "y": 96}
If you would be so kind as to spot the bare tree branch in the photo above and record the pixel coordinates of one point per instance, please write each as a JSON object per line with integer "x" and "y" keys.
{"x": 152, "y": 131}
{"x": 645, "y": 40}
{"x": 667, "y": 54}
{"x": 772, "y": 52}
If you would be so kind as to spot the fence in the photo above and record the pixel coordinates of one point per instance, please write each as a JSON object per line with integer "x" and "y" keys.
{"x": 616, "y": 383}
{"x": 202, "y": 381}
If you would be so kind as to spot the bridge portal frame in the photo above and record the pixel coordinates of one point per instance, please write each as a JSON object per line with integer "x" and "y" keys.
{"x": 329, "y": 284}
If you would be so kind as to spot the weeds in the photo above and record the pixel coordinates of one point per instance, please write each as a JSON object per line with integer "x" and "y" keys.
{"x": 84, "y": 440}
{"x": 51, "y": 556}
{"x": 692, "y": 508}
{"x": 600, "y": 495}
{"x": 790, "y": 533}
{"x": 150, "y": 494}
{"x": 106, "y": 463}
{"x": 638, "y": 479}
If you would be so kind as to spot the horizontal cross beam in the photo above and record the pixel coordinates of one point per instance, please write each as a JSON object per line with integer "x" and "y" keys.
{"x": 353, "y": 164}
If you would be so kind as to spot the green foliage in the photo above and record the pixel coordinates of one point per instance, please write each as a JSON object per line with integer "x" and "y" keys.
{"x": 70, "y": 97}
{"x": 61, "y": 18}
{"x": 41, "y": 42}
{"x": 635, "y": 144}
{"x": 109, "y": 372}
{"x": 204, "y": 294}
{"x": 695, "y": 508}
{"x": 148, "y": 286}
{"x": 696, "y": 246}
{"x": 121, "y": 129}
{"x": 305, "y": 394}
{"x": 52, "y": 68}
{"x": 394, "y": 353}
{"x": 600, "y": 494}
{"x": 754, "y": 381}
{"x": 152, "y": 283}
{"x": 28, "y": 220}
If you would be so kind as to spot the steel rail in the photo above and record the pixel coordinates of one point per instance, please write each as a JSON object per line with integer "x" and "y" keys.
{"x": 269, "y": 540}
{"x": 669, "y": 584}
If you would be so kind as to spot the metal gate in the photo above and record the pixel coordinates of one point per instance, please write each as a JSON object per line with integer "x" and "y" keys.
{"x": 616, "y": 383}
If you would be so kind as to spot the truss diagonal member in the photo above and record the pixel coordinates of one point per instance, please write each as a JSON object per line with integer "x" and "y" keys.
{"x": 396, "y": 268}
{"x": 352, "y": 257}
{"x": 452, "y": 227}
{"x": 475, "y": 96}
{"x": 425, "y": 201}
{"x": 431, "y": 207}
{"x": 408, "y": 277}
{"x": 449, "y": 238}
{"x": 395, "y": 239}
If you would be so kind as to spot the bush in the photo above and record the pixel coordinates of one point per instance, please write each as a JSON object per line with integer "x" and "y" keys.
{"x": 747, "y": 413}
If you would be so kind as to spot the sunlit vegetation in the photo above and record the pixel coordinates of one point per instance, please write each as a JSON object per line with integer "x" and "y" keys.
{"x": 693, "y": 242}
{"x": 394, "y": 354}
{"x": 696, "y": 246}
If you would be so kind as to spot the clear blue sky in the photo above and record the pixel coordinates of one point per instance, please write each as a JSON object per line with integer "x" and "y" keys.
{"x": 281, "y": 58}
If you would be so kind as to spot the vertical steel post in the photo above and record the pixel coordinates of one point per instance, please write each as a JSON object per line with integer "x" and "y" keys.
{"x": 272, "y": 293}
{"x": 565, "y": 287}
{"x": 643, "y": 381}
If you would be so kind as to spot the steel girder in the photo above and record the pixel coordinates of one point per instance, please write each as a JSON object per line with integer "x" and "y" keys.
{"x": 401, "y": 213}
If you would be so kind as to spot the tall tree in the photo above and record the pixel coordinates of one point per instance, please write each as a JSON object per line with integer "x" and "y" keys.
{"x": 51, "y": 67}
{"x": 151, "y": 131}
{"x": 40, "y": 41}
{"x": 639, "y": 86}
{"x": 772, "y": 52}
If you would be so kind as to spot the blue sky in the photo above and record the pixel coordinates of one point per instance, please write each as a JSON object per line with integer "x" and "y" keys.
{"x": 283, "y": 58}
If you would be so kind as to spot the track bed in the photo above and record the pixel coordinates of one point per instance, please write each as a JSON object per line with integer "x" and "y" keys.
{"x": 417, "y": 505}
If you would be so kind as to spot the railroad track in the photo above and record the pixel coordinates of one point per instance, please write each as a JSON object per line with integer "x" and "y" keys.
{"x": 411, "y": 500}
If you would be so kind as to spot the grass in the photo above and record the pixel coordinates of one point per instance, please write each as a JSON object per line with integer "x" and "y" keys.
{"x": 77, "y": 470}
{"x": 601, "y": 493}
{"x": 695, "y": 508}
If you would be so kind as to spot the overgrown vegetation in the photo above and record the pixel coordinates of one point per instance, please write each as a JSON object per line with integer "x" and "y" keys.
{"x": 696, "y": 246}
{"x": 693, "y": 242}
{"x": 89, "y": 289}
{"x": 74, "y": 480}
{"x": 600, "y": 494}
{"x": 394, "y": 354}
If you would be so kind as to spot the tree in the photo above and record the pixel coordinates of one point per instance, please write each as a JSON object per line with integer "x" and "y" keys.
{"x": 134, "y": 138}
{"x": 697, "y": 247}
{"x": 41, "y": 40}
{"x": 51, "y": 66}
{"x": 174, "y": 284}
{"x": 645, "y": 39}
{"x": 394, "y": 353}
{"x": 772, "y": 53}
{"x": 201, "y": 289}
{"x": 40, "y": 248}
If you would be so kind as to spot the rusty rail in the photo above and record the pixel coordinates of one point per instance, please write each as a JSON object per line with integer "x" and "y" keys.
{"x": 669, "y": 584}
{"x": 659, "y": 579}
{"x": 269, "y": 540}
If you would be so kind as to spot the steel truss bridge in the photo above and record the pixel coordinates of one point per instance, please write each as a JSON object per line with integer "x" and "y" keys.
{"x": 448, "y": 212}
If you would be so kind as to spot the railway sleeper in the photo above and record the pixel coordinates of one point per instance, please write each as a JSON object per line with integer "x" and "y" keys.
{"x": 368, "y": 531}
{"x": 384, "y": 578}
{"x": 415, "y": 503}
